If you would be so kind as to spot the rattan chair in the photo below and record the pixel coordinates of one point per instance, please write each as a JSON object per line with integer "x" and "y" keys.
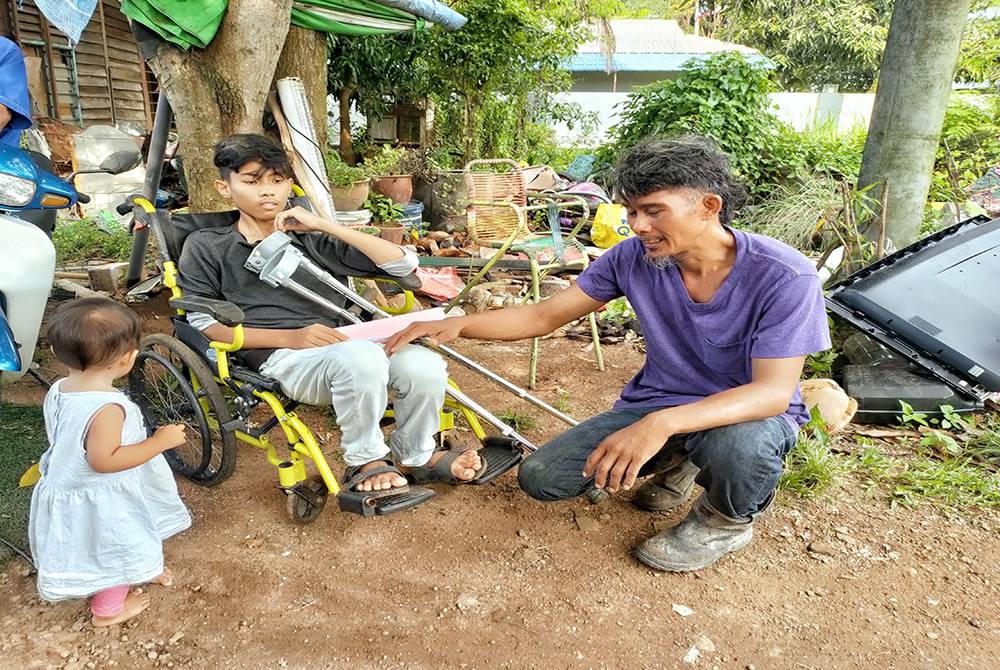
{"x": 500, "y": 214}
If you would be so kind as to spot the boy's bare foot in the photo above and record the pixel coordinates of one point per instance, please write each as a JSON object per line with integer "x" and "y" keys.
{"x": 382, "y": 481}
{"x": 463, "y": 468}
{"x": 448, "y": 466}
{"x": 135, "y": 602}
{"x": 166, "y": 578}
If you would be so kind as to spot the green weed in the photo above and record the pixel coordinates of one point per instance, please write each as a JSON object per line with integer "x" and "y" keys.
{"x": 954, "y": 482}
{"x": 811, "y": 467}
{"x": 87, "y": 239}
{"x": 519, "y": 422}
{"x": 562, "y": 403}
{"x": 22, "y": 434}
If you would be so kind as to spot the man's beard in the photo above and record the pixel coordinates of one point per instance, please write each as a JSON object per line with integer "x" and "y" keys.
{"x": 660, "y": 262}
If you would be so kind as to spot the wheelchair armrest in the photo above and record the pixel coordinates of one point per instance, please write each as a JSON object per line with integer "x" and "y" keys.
{"x": 222, "y": 311}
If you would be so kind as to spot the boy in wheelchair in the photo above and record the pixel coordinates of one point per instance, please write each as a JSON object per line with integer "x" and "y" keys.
{"x": 285, "y": 339}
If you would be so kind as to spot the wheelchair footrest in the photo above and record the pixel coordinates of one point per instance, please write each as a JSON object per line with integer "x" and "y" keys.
{"x": 366, "y": 504}
{"x": 501, "y": 454}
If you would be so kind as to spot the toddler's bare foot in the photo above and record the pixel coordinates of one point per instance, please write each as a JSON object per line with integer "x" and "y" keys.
{"x": 166, "y": 578}
{"x": 135, "y": 602}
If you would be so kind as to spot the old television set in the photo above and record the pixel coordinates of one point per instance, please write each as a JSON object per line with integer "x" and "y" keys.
{"x": 936, "y": 303}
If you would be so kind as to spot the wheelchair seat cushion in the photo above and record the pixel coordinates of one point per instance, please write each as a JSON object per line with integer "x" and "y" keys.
{"x": 239, "y": 369}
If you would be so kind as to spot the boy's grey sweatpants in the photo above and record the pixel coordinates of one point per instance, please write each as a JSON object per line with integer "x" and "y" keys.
{"x": 355, "y": 377}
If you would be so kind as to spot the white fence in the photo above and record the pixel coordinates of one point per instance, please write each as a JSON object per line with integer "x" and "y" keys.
{"x": 799, "y": 109}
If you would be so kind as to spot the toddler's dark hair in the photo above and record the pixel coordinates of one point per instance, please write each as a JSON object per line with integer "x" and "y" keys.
{"x": 236, "y": 151}
{"x": 92, "y": 331}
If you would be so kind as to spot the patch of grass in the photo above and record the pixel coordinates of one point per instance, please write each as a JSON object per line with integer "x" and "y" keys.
{"x": 983, "y": 443}
{"x": 956, "y": 482}
{"x": 88, "y": 240}
{"x": 562, "y": 403}
{"x": 872, "y": 466}
{"x": 23, "y": 439}
{"x": 810, "y": 467}
{"x": 519, "y": 422}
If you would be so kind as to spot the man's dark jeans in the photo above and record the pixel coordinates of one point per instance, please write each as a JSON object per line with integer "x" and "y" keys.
{"x": 739, "y": 464}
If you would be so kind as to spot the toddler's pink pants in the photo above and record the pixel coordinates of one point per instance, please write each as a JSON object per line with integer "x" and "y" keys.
{"x": 109, "y": 602}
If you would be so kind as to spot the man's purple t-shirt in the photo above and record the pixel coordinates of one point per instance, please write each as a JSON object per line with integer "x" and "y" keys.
{"x": 770, "y": 306}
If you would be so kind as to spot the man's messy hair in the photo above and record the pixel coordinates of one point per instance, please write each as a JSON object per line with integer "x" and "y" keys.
{"x": 689, "y": 161}
{"x": 236, "y": 151}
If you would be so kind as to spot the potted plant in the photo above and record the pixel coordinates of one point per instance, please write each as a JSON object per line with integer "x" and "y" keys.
{"x": 349, "y": 185}
{"x": 388, "y": 174}
{"x": 385, "y": 216}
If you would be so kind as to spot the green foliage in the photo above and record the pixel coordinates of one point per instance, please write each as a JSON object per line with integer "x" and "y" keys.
{"x": 810, "y": 467}
{"x": 820, "y": 365}
{"x": 983, "y": 442}
{"x": 724, "y": 97}
{"x": 952, "y": 481}
{"x": 383, "y": 162}
{"x": 968, "y": 146}
{"x": 979, "y": 57}
{"x": 383, "y": 208}
{"x": 911, "y": 417}
{"x": 823, "y": 149}
{"x": 340, "y": 173}
{"x": 815, "y": 43}
{"x": 942, "y": 443}
{"x": 564, "y": 402}
{"x": 86, "y": 239}
{"x": 517, "y": 421}
{"x": 489, "y": 81}
{"x": 950, "y": 419}
{"x": 617, "y": 311}
{"x": 939, "y": 479}
{"x": 22, "y": 433}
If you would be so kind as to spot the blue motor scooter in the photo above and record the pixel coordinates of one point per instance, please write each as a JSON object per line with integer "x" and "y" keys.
{"x": 27, "y": 256}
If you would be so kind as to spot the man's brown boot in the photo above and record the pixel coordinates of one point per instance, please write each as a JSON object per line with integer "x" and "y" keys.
{"x": 667, "y": 490}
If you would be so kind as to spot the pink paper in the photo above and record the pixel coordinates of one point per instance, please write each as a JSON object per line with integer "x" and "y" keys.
{"x": 382, "y": 329}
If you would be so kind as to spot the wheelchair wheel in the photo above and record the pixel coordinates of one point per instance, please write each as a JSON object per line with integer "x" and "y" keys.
{"x": 171, "y": 384}
{"x": 306, "y": 500}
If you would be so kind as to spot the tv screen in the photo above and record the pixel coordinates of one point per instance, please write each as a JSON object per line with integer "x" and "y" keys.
{"x": 936, "y": 302}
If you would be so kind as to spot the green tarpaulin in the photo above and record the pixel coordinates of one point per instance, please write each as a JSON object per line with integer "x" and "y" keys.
{"x": 193, "y": 23}
{"x": 352, "y": 17}
{"x": 186, "y": 23}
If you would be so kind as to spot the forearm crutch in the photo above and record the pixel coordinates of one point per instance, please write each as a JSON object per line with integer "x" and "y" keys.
{"x": 275, "y": 260}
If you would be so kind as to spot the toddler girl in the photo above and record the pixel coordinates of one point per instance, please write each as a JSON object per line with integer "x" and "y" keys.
{"x": 107, "y": 498}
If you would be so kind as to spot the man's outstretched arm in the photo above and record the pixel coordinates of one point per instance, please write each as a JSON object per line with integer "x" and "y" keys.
{"x": 513, "y": 323}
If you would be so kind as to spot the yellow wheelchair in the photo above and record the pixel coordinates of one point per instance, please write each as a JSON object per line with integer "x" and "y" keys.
{"x": 185, "y": 378}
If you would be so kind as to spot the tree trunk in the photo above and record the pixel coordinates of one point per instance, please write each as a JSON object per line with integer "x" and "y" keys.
{"x": 304, "y": 56}
{"x": 914, "y": 83}
{"x": 469, "y": 123}
{"x": 346, "y": 142}
{"x": 221, "y": 90}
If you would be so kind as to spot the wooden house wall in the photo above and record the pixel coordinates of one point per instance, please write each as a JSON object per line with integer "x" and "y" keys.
{"x": 101, "y": 81}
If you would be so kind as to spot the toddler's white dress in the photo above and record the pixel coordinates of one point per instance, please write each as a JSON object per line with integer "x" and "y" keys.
{"x": 90, "y": 531}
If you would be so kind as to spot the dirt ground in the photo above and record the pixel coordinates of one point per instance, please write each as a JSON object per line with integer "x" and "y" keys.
{"x": 483, "y": 577}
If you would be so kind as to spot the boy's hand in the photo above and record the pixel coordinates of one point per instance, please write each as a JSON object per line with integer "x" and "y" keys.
{"x": 170, "y": 436}
{"x": 300, "y": 220}
{"x": 316, "y": 335}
